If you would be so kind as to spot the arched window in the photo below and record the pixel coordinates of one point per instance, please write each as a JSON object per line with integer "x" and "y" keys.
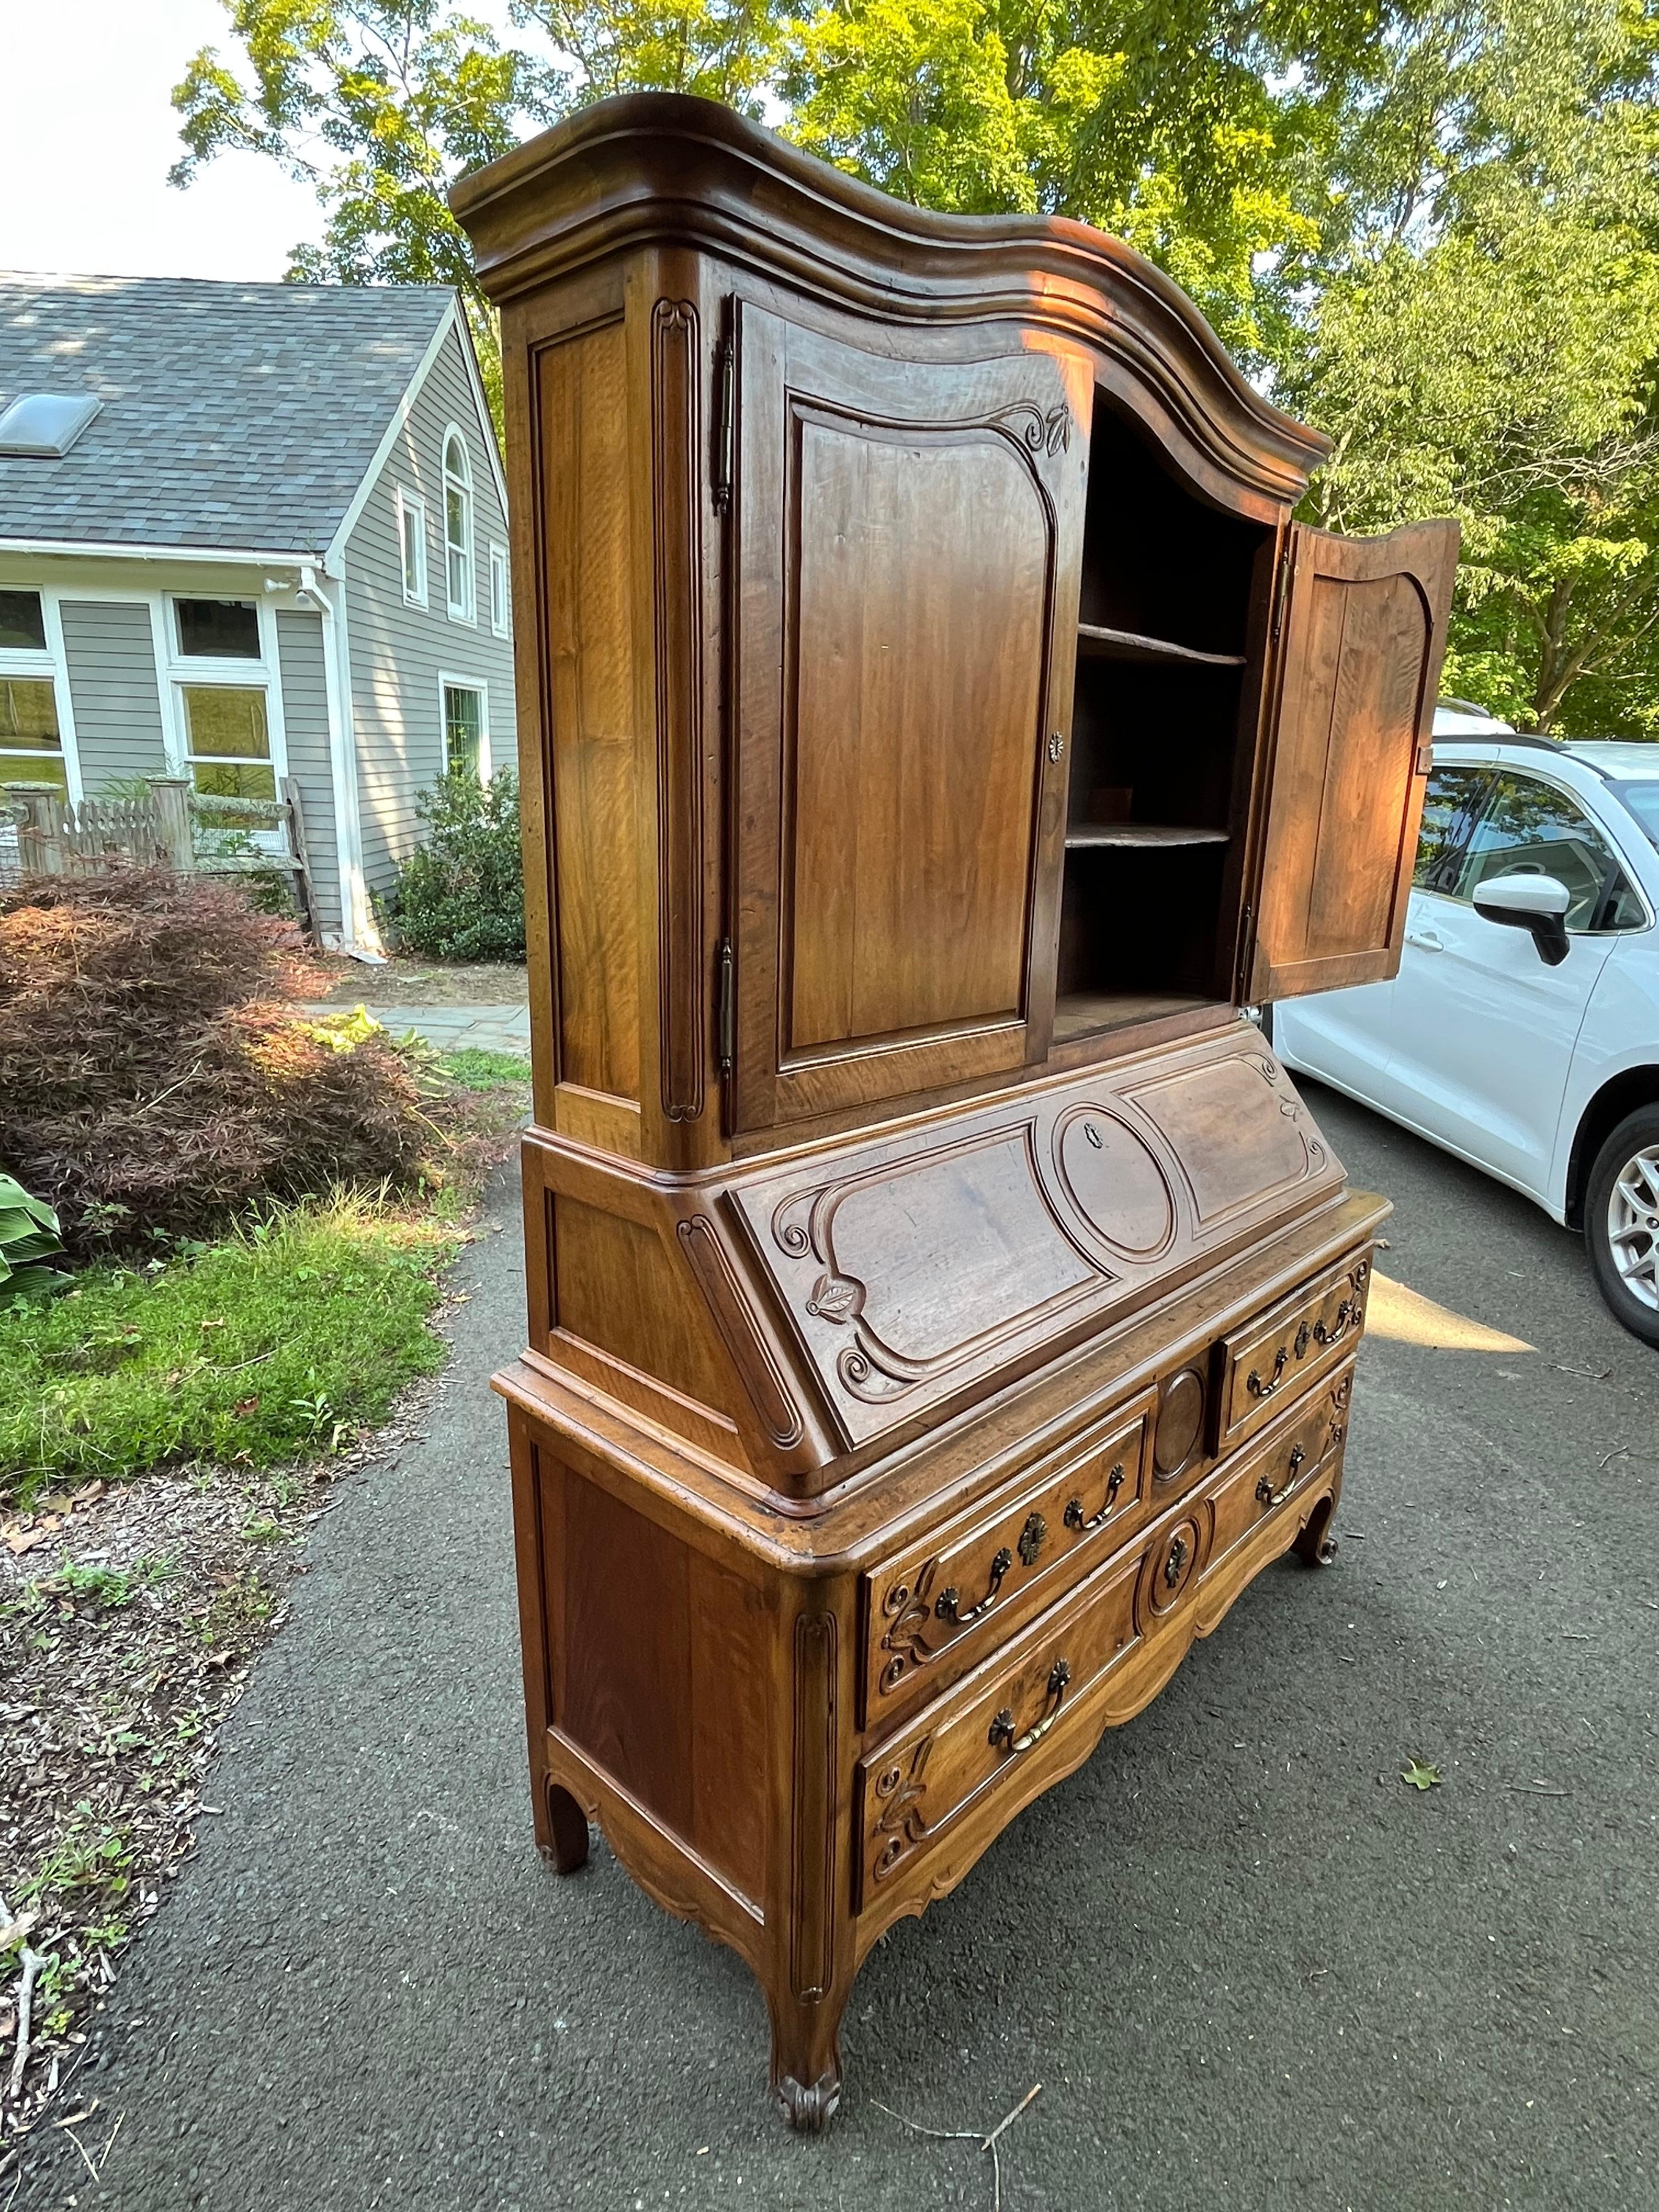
{"x": 457, "y": 528}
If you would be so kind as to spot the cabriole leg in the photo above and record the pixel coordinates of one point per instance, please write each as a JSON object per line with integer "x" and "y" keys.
{"x": 563, "y": 1839}
{"x": 807, "y": 2060}
{"x": 1316, "y": 1546}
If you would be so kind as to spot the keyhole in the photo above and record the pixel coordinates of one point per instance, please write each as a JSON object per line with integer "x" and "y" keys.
{"x": 1094, "y": 1136}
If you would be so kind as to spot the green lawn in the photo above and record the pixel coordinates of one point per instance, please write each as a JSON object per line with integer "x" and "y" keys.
{"x": 276, "y": 1344}
{"x": 484, "y": 1070}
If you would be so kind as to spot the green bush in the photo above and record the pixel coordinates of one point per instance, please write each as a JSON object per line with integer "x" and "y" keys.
{"x": 459, "y": 896}
{"x": 151, "y": 1084}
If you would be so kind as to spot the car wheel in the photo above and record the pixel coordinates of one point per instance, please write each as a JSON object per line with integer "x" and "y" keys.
{"x": 1621, "y": 1222}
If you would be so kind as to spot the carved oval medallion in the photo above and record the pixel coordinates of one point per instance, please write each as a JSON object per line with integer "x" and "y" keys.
{"x": 1113, "y": 1179}
{"x": 1174, "y": 1565}
{"x": 1179, "y": 1418}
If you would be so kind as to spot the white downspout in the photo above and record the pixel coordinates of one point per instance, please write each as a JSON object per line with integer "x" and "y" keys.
{"x": 358, "y": 933}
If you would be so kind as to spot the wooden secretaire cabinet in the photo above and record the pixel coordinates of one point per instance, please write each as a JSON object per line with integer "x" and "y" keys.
{"x": 935, "y": 732}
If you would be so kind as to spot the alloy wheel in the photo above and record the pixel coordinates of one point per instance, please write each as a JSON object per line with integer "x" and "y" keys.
{"x": 1633, "y": 1226}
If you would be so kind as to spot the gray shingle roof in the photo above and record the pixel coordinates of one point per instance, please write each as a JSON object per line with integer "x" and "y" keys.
{"x": 234, "y": 415}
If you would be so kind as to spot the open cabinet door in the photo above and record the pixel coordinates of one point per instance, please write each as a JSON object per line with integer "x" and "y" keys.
{"x": 1363, "y": 625}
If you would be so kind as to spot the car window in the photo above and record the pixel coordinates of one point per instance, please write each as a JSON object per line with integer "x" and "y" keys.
{"x": 1642, "y": 800}
{"x": 1451, "y": 804}
{"x": 1623, "y": 909}
{"x": 1532, "y": 829}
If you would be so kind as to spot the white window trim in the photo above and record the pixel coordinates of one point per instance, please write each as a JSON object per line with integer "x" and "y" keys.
{"x": 467, "y": 612}
{"x": 448, "y": 681}
{"x": 32, "y": 667}
{"x": 411, "y": 505}
{"x": 499, "y": 565}
{"x": 178, "y": 669}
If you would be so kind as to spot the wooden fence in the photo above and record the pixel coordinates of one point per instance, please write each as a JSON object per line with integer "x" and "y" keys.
{"x": 170, "y": 826}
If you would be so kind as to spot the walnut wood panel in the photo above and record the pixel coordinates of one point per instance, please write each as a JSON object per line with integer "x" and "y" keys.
{"x": 812, "y": 1921}
{"x": 1235, "y": 1148}
{"x": 662, "y": 1682}
{"x": 676, "y": 438}
{"x": 1364, "y": 629}
{"x": 1276, "y": 1357}
{"x": 907, "y": 535}
{"x": 589, "y": 655}
{"x": 913, "y": 1267}
{"x": 617, "y": 1289}
{"x": 967, "y": 1583}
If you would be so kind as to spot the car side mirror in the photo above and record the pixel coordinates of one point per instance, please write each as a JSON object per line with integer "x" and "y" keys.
{"x": 1534, "y": 902}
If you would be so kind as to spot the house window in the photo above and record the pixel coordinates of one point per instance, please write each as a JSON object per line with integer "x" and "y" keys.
{"x": 466, "y": 730}
{"x": 227, "y": 740}
{"x": 31, "y": 742}
{"x": 501, "y": 605}
{"x": 457, "y": 528}
{"x": 22, "y": 623}
{"x": 225, "y": 712}
{"x": 218, "y": 630}
{"x": 411, "y": 546}
{"x": 37, "y": 735}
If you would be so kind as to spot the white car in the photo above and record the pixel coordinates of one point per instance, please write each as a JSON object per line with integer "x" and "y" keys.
{"x": 1521, "y": 1032}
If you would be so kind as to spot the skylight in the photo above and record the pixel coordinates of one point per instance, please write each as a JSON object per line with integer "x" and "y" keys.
{"x": 46, "y": 424}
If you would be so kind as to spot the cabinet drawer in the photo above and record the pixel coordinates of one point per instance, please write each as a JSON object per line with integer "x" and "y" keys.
{"x": 1264, "y": 1476}
{"x": 1047, "y": 1527}
{"x": 1098, "y": 1645}
{"x": 917, "y": 1789}
{"x": 1265, "y": 1364}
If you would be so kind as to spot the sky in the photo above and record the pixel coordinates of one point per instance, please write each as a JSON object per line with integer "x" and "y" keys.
{"x": 90, "y": 135}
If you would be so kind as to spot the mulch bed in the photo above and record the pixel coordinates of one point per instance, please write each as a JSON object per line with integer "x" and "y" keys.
{"x": 129, "y": 1620}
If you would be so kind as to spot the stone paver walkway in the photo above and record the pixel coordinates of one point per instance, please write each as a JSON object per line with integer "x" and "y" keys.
{"x": 453, "y": 1029}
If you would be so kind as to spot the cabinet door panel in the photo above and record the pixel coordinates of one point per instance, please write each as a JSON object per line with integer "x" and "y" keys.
{"x": 1364, "y": 629}
{"x": 907, "y": 534}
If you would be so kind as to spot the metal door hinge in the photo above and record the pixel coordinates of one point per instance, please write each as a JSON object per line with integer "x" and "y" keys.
{"x": 1281, "y": 587}
{"x": 1246, "y": 946}
{"x": 726, "y": 1004}
{"x": 725, "y": 377}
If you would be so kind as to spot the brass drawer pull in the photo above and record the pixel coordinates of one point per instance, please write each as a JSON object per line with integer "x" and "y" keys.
{"x": 1266, "y": 1492}
{"x": 949, "y": 1600}
{"x": 1256, "y": 1387}
{"x": 1175, "y": 1561}
{"x": 1002, "y": 1736}
{"x": 1074, "y": 1509}
{"x": 1347, "y": 1317}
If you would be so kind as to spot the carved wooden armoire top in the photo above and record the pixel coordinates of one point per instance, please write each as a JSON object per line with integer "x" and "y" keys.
{"x": 924, "y": 684}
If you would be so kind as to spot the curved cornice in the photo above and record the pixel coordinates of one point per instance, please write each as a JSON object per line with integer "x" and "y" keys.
{"x": 663, "y": 167}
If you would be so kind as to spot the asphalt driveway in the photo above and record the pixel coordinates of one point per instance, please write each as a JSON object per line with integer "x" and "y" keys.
{"x": 1251, "y": 1967}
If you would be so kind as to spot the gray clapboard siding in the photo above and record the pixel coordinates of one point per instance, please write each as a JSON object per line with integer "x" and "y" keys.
{"x": 397, "y": 651}
{"x": 305, "y": 718}
{"x": 110, "y": 658}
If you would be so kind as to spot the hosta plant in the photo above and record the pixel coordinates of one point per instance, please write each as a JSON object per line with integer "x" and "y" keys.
{"x": 29, "y": 1244}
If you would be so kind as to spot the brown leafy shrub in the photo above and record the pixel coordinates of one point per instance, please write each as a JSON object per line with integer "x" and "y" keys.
{"x": 151, "y": 1082}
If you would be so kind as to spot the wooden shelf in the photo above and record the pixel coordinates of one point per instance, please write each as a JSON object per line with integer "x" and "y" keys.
{"x": 1130, "y": 644}
{"x": 1145, "y": 834}
{"x": 1081, "y": 1013}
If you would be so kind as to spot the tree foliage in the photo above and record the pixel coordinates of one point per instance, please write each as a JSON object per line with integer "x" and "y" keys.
{"x": 1431, "y": 227}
